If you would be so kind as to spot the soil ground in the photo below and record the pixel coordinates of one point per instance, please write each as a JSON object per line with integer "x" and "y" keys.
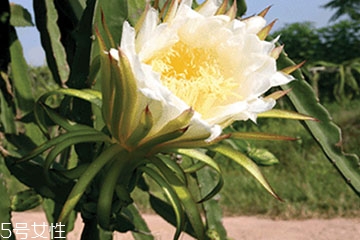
{"x": 238, "y": 228}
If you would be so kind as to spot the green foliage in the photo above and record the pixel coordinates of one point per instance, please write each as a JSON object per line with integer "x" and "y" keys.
{"x": 331, "y": 54}
{"x": 304, "y": 179}
{"x": 304, "y": 42}
{"x": 350, "y": 8}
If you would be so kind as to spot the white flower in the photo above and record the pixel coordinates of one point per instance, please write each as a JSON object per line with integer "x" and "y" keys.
{"x": 213, "y": 64}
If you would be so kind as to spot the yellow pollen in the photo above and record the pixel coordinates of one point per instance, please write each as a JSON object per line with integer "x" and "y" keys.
{"x": 195, "y": 75}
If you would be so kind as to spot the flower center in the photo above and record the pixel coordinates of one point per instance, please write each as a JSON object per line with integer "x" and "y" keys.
{"x": 195, "y": 75}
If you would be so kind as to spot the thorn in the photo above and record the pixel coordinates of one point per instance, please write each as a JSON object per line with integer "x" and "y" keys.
{"x": 232, "y": 11}
{"x": 222, "y": 9}
{"x": 275, "y": 53}
{"x": 266, "y": 30}
{"x": 292, "y": 68}
{"x": 264, "y": 12}
{"x": 278, "y": 94}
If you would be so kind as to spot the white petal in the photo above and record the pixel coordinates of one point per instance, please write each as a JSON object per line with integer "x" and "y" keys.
{"x": 147, "y": 28}
{"x": 255, "y": 24}
{"x": 209, "y": 8}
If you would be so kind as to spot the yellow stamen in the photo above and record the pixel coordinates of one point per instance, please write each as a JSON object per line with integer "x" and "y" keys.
{"x": 195, "y": 75}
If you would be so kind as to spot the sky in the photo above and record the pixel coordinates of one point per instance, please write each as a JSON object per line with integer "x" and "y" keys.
{"x": 285, "y": 11}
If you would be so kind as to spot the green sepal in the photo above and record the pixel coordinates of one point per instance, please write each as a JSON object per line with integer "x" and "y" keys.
{"x": 94, "y": 168}
{"x": 115, "y": 107}
{"x": 151, "y": 144}
{"x": 73, "y": 173}
{"x": 63, "y": 122}
{"x": 171, "y": 163}
{"x": 199, "y": 142}
{"x": 259, "y": 136}
{"x": 129, "y": 95}
{"x": 279, "y": 113}
{"x": 80, "y": 135}
{"x": 71, "y": 139}
{"x": 167, "y": 212}
{"x": 195, "y": 167}
{"x": 196, "y": 154}
{"x": 171, "y": 196}
{"x": 177, "y": 123}
{"x": 246, "y": 162}
{"x": 182, "y": 191}
{"x": 109, "y": 38}
{"x": 89, "y": 95}
{"x": 145, "y": 124}
{"x": 212, "y": 209}
{"x": 119, "y": 166}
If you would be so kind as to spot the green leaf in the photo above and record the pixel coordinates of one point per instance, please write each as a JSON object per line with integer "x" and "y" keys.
{"x": 78, "y": 77}
{"x": 32, "y": 174}
{"x": 51, "y": 210}
{"x": 241, "y": 7}
{"x": 262, "y": 156}
{"x": 115, "y": 12}
{"x": 135, "y": 9}
{"x": 46, "y": 18}
{"x": 7, "y": 117}
{"x": 21, "y": 82}
{"x": 245, "y": 162}
{"x": 77, "y": 7}
{"x": 123, "y": 223}
{"x": 20, "y": 16}
{"x": 325, "y": 132}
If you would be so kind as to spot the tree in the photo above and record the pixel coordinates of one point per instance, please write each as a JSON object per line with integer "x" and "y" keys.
{"x": 331, "y": 54}
{"x": 349, "y": 8}
{"x": 301, "y": 41}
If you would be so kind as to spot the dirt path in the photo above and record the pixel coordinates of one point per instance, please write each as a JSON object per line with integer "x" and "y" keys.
{"x": 242, "y": 228}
